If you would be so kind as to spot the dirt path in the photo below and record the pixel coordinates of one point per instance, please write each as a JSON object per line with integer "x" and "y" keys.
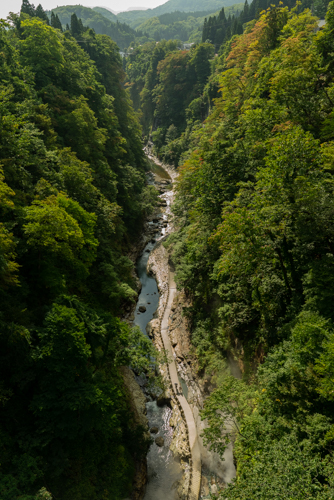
{"x": 195, "y": 482}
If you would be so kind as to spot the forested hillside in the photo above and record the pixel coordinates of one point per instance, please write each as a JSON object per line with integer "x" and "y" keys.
{"x": 119, "y": 32}
{"x": 73, "y": 198}
{"x": 136, "y": 17}
{"x": 185, "y": 26}
{"x": 254, "y": 249}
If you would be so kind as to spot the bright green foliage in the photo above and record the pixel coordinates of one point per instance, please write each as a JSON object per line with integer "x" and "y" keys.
{"x": 72, "y": 200}
{"x": 254, "y": 249}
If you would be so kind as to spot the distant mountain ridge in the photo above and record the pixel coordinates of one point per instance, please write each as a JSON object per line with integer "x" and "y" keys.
{"x": 152, "y": 24}
{"x": 104, "y": 24}
{"x": 108, "y": 13}
{"x": 136, "y": 17}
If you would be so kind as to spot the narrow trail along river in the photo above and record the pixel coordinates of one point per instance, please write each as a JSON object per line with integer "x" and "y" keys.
{"x": 195, "y": 483}
{"x": 163, "y": 470}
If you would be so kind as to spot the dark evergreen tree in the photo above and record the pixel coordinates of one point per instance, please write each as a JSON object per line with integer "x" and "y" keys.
{"x": 205, "y": 30}
{"x": 55, "y": 22}
{"x": 28, "y": 8}
{"x": 75, "y": 25}
{"x": 58, "y": 23}
{"x": 40, "y": 12}
{"x": 82, "y": 29}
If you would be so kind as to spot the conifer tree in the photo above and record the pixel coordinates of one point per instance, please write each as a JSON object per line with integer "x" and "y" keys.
{"x": 75, "y": 25}
{"x": 55, "y": 22}
{"x": 58, "y": 24}
{"x": 205, "y": 30}
{"x": 28, "y": 8}
{"x": 40, "y": 12}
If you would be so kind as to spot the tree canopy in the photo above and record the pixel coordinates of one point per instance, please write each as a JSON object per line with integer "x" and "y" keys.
{"x": 73, "y": 197}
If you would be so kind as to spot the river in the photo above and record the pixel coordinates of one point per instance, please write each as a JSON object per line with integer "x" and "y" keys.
{"x": 163, "y": 470}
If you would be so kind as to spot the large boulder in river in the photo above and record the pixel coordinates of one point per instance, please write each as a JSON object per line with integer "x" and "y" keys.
{"x": 159, "y": 441}
{"x": 142, "y": 309}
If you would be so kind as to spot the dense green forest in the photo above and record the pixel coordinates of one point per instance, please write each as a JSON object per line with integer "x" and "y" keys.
{"x": 219, "y": 28}
{"x": 73, "y": 197}
{"x": 185, "y": 26}
{"x": 247, "y": 116}
{"x": 254, "y": 248}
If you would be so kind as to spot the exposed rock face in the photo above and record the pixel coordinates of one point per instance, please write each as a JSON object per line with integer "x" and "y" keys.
{"x": 214, "y": 489}
{"x": 153, "y": 329}
{"x": 136, "y": 397}
{"x": 158, "y": 264}
{"x": 205, "y": 491}
{"x": 137, "y": 402}
{"x": 180, "y": 337}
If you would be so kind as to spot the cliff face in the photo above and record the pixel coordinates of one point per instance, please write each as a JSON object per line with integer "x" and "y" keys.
{"x": 137, "y": 402}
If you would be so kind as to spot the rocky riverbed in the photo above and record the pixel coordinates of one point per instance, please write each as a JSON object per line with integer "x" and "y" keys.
{"x": 215, "y": 473}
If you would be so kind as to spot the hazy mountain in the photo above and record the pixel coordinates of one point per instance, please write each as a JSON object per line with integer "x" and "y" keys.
{"x": 104, "y": 24}
{"x": 134, "y": 18}
{"x": 135, "y": 8}
{"x": 108, "y": 13}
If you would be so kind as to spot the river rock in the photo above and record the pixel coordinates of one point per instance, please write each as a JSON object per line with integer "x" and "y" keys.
{"x": 214, "y": 489}
{"x": 159, "y": 441}
{"x": 205, "y": 486}
{"x": 142, "y": 309}
{"x": 154, "y": 430}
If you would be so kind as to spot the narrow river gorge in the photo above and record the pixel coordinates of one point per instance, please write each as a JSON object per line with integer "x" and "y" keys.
{"x": 178, "y": 465}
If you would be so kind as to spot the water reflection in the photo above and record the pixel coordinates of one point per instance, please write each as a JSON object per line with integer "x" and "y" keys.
{"x": 149, "y": 295}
